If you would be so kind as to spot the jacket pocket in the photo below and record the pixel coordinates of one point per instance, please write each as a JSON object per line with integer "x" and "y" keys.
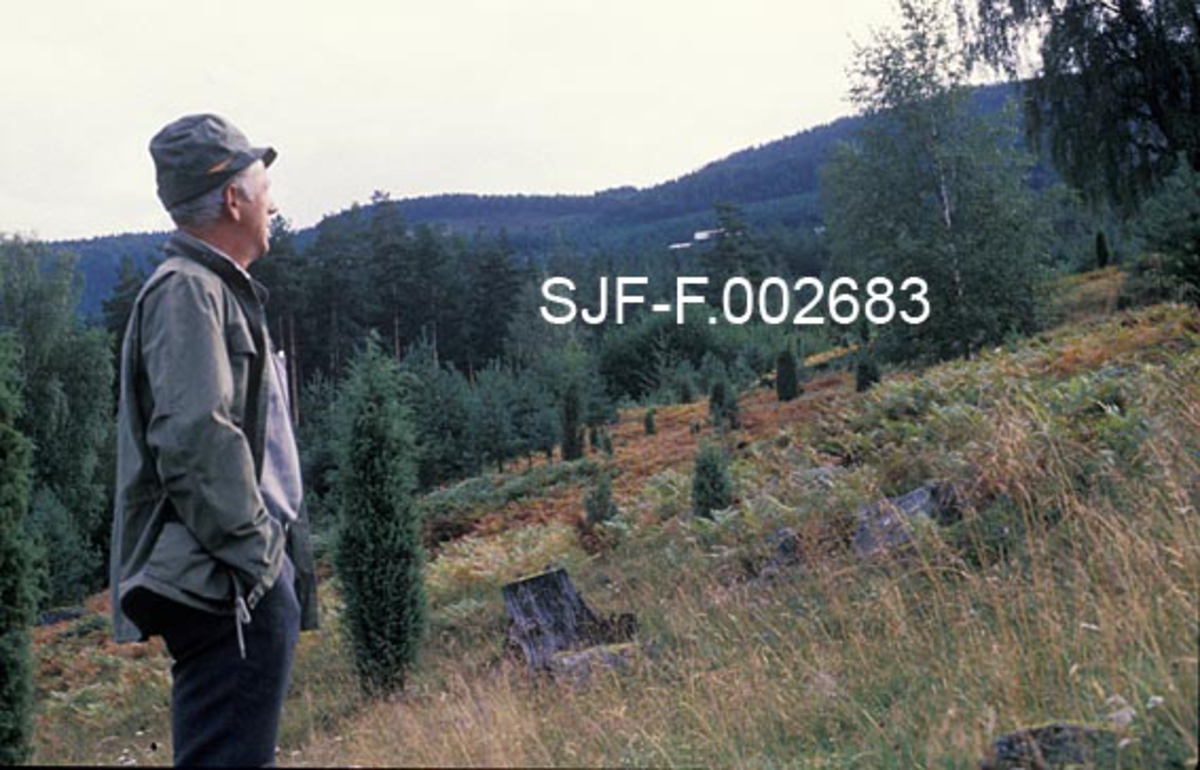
{"x": 179, "y": 560}
{"x": 241, "y": 358}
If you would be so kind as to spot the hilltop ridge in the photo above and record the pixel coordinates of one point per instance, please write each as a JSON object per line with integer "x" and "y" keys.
{"x": 775, "y": 184}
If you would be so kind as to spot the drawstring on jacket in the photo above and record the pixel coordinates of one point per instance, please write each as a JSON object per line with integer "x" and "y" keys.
{"x": 242, "y": 615}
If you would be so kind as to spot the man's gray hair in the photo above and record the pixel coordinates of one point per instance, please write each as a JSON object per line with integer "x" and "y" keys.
{"x": 206, "y": 210}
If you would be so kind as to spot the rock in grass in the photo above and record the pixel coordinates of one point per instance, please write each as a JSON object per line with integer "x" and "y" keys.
{"x": 579, "y": 667}
{"x": 887, "y": 524}
{"x": 1054, "y": 745}
{"x": 821, "y": 477}
{"x": 786, "y": 555}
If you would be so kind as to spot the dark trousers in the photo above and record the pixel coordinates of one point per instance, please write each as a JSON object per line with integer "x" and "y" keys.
{"x": 225, "y": 710}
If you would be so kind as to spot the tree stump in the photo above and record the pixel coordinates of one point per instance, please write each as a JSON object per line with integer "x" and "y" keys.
{"x": 548, "y": 616}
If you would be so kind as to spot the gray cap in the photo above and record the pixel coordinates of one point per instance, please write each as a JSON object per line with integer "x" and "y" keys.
{"x": 198, "y": 153}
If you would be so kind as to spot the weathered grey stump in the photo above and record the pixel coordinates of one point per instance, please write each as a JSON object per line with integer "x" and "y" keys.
{"x": 548, "y": 616}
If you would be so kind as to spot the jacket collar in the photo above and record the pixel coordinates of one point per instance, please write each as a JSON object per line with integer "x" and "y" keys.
{"x": 193, "y": 248}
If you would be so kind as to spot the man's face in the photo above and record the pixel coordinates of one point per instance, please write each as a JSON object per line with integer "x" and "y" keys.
{"x": 257, "y": 209}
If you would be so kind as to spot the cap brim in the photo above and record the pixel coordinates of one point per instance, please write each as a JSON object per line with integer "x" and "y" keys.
{"x": 266, "y": 154}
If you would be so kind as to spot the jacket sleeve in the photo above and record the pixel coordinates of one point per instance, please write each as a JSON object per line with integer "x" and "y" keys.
{"x": 203, "y": 458}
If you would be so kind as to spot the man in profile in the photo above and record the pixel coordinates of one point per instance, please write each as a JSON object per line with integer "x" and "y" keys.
{"x": 210, "y": 546}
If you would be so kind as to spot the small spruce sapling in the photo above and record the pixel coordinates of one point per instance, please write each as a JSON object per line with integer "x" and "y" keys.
{"x": 572, "y": 434}
{"x": 866, "y": 372}
{"x": 598, "y": 505}
{"x": 787, "y": 378}
{"x": 723, "y": 405}
{"x": 1102, "y": 253}
{"x": 712, "y": 487}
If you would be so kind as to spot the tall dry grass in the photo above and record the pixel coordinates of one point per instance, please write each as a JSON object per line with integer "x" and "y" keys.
{"x": 1066, "y": 593}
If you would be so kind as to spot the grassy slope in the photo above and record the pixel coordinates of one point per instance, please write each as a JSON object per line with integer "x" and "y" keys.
{"x": 1071, "y": 580}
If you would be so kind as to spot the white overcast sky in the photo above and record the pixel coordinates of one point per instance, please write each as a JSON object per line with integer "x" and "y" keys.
{"x": 415, "y": 98}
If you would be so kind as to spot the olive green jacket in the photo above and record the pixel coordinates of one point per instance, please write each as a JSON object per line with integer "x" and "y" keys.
{"x": 189, "y": 518}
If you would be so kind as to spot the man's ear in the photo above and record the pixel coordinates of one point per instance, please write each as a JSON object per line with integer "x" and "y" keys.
{"x": 231, "y": 202}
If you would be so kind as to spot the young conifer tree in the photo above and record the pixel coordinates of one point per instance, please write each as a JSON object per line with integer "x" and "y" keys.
{"x": 572, "y": 434}
{"x": 723, "y": 405}
{"x": 687, "y": 390}
{"x": 716, "y": 403}
{"x": 16, "y": 578}
{"x": 866, "y": 372}
{"x": 1102, "y": 255}
{"x": 1170, "y": 225}
{"x": 598, "y": 504}
{"x": 379, "y": 555}
{"x": 787, "y": 379}
{"x": 712, "y": 487}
